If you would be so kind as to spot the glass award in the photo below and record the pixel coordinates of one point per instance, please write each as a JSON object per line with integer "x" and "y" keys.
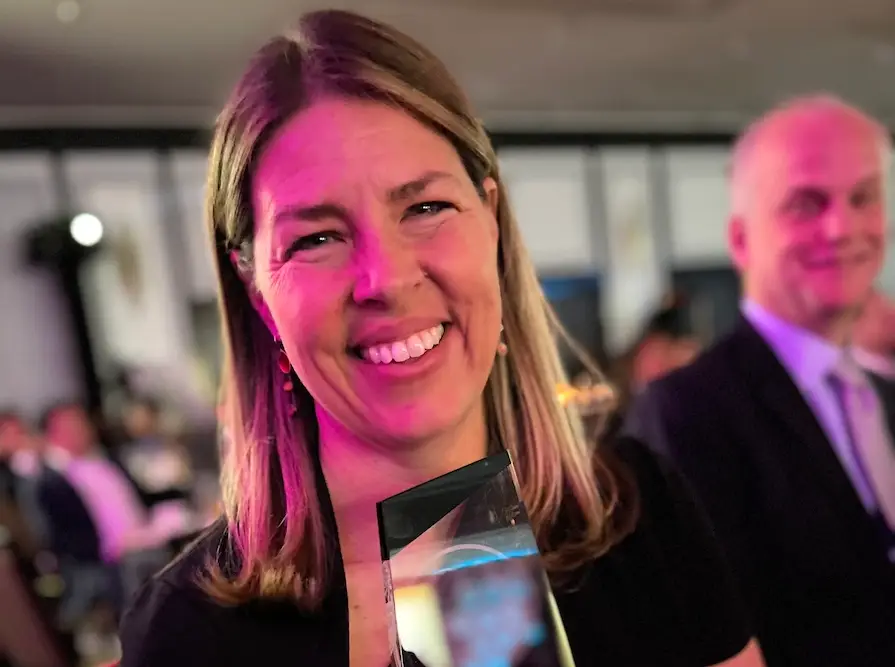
{"x": 464, "y": 580}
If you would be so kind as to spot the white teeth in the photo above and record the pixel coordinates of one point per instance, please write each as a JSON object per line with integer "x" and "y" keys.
{"x": 399, "y": 352}
{"x": 413, "y": 347}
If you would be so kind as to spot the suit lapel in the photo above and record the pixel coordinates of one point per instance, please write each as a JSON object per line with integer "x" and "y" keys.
{"x": 807, "y": 443}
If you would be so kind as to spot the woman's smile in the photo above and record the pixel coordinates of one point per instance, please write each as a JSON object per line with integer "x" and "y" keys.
{"x": 415, "y": 357}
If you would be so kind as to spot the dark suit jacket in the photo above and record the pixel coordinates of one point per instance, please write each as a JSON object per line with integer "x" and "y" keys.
{"x": 811, "y": 562}
{"x": 71, "y": 533}
{"x": 18, "y": 510}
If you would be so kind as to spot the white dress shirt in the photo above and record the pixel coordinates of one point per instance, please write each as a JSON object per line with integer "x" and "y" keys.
{"x": 25, "y": 463}
{"x": 809, "y": 359}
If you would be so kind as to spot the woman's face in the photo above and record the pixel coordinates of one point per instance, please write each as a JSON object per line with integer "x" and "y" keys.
{"x": 376, "y": 265}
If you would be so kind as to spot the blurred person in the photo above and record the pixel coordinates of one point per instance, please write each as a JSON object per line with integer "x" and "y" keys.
{"x": 873, "y": 336}
{"x": 96, "y": 510}
{"x": 775, "y": 426}
{"x": 154, "y": 459}
{"x": 19, "y": 467}
{"x": 94, "y": 514}
{"x": 19, "y": 448}
{"x": 384, "y": 325}
{"x": 665, "y": 344}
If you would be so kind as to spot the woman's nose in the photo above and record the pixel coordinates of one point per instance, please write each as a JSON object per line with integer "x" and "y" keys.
{"x": 386, "y": 267}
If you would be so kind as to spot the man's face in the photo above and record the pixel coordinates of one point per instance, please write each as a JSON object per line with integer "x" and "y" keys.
{"x": 13, "y": 436}
{"x": 810, "y": 242}
{"x": 70, "y": 428}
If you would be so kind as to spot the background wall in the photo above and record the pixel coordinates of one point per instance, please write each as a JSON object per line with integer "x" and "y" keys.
{"x": 38, "y": 362}
{"x": 635, "y": 218}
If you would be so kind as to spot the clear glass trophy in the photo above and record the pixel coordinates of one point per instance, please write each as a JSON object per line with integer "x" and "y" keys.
{"x": 463, "y": 576}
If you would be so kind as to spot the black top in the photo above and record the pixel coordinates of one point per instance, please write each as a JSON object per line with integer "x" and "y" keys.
{"x": 660, "y": 597}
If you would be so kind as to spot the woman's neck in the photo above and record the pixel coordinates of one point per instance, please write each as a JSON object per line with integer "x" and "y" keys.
{"x": 358, "y": 475}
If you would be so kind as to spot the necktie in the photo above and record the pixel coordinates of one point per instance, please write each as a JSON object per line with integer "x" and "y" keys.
{"x": 870, "y": 440}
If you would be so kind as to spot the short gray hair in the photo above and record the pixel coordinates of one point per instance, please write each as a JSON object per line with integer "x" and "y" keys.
{"x": 744, "y": 147}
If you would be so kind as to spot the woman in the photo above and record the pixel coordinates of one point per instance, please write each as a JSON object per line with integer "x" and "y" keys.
{"x": 384, "y": 326}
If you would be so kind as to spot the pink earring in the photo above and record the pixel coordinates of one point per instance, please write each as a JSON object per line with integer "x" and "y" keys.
{"x": 285, "y": 367}
{"x": 502, "y": 346}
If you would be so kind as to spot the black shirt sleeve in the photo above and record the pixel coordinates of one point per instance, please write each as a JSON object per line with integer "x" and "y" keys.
{"x": 674, "y": 545}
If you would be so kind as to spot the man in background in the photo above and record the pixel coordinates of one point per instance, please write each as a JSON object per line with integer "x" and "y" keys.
{"x": 874, "y": 336}
{"x": 99, "y": 522}
{"x": 776, "y": 426}
{"x": 20, "y": 466}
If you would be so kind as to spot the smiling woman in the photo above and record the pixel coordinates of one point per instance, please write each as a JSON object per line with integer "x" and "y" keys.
{"x": 384, "y": 326}
{"x": 365, "y": 244}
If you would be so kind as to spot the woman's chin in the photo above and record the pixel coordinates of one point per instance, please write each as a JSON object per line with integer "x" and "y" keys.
{"x": 413, "y": 428}
{"x": 423, "y": 424}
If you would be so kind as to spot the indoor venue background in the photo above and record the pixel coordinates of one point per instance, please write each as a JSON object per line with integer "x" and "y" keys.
{"x": 613, "y": 121}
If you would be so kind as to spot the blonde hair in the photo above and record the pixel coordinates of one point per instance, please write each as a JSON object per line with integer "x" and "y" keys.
{"x": 277, "y": 531}
{"x": 741, "y": 186}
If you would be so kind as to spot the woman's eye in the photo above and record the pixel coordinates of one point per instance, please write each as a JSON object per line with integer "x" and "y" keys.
{"x": 429, "y": 208}
{"x": 310, "y": 242}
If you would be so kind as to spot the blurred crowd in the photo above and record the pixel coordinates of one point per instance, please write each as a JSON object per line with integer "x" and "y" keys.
{"x": 90, "y": 509}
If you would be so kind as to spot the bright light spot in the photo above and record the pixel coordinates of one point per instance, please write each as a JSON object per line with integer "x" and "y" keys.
{"x": 86, "y": 229}
{"x": 68, "y": 11}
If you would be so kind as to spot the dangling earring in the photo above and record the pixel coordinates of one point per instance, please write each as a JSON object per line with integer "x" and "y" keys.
{"x": 502, "y": 346}
{"x": 285, "y": 367}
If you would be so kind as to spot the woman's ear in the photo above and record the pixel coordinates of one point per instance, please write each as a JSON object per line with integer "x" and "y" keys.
{"x": 244, "y": 270}
{"x": 492, "y": 194}
{"x": 492, "y": 199}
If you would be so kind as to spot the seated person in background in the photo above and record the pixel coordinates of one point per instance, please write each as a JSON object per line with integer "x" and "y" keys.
{"x": 95, "y": 509}
{"x": 19, "y": 467}
{"x": 385, "y": 325}
{"x": 93, "y": 512}
{"x": 156, "y": 461}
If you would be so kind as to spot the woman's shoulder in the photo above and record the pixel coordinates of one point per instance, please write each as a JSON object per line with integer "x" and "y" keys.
{"x": 654, "y": 486}
{"x": 172, "y": 621}
{"x": 669, "y": 519}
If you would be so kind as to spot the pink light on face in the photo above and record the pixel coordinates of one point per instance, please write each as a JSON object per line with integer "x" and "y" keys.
{"x": 815, "y": 227}
{"x": 367, "y": 230}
